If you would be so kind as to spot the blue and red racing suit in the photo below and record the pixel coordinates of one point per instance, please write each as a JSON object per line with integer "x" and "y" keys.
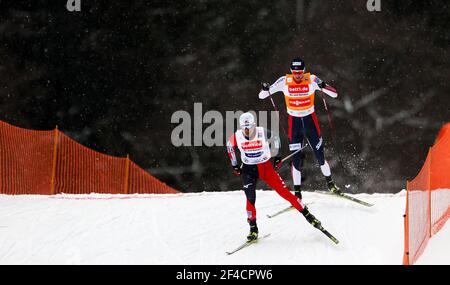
{"x": 302, "y": 119}
{"x": 255, "y": 154}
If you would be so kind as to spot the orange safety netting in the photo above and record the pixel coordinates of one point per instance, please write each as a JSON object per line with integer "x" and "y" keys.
{"x": 428, "y": 198}
{"x": 49, "y": 162}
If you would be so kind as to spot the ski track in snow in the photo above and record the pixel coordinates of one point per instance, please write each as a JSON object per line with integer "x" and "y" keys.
{"x": 196, "y": 228}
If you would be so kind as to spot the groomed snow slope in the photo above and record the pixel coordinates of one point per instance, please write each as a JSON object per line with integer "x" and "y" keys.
{"x": 196, "y": 229}
{"x": 438, "y": 248}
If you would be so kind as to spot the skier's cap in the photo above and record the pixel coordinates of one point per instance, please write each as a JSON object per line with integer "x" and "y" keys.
{"x": 297, "y": 64}
{"x": 247, "y": 120}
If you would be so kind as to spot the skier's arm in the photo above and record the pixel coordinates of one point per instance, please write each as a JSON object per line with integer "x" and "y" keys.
{"x": 274, "y": 88}
{"x": 231, "y": 144}
{"x": 324, "y": 87}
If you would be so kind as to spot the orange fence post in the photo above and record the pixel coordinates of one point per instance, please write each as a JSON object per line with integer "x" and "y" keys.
{"x": 127, "y": 173}
{"x": 55, "y": 151}
{"x": 429, "y": 189}
{"x": 406, "y": 226}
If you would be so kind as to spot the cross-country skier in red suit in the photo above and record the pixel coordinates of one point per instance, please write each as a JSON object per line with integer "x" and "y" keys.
{"x": 255, "y": 154}
{"x": 299, "y": 89}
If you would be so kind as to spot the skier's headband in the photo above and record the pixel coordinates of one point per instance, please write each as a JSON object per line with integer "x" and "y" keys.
{"x": 297, "y": 67}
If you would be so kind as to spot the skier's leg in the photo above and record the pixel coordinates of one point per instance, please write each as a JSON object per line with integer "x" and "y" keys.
{"x": 295, "y": 129}
{"x": 249, "y": 179}
{"x": 268, "y": 174}
{"x": 316, "y": 142}
{"x": 271, "y": 177}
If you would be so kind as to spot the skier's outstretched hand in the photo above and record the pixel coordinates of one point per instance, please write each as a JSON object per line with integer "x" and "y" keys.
{"x": 328, "y": 89}
{"x": 237, "y": 170}
{"x": 265, "y": 86}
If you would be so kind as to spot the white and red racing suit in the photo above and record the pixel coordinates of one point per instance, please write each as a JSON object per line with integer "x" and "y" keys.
{"x": 255, "y": 153}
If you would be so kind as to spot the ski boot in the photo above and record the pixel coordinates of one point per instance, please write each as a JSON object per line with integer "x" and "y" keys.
{"x": 310, "y": 218}
{"x": 332, "y": 186}
{"x": 298, "y": 191}
{"x": 253, "y": 235}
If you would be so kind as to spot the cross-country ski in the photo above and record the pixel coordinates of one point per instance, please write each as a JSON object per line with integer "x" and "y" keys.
{"x": 345, "y": 196}
{"x": 284, "y": 210}
{"x": 247, "y": 243}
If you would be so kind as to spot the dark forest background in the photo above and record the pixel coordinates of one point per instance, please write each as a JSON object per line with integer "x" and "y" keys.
{"x": 111, "y": 76}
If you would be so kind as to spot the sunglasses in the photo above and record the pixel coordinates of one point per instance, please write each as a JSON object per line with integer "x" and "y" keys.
{"x": 247, "y": 127}
{"x": 297, "y": 71}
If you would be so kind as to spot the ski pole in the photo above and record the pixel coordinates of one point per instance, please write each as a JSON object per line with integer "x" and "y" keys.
{"x": 333, "y": 131}
{"x": 295, "y": 152}
{"x": 291, "y": 155}
{"x": 278, "y": 113}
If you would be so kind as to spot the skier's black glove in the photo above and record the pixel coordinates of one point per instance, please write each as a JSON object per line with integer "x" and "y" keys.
{"x": 265, "y": 86}
{"x": 237, "y": 170}
{"x": 322, "y": 84}
{"x": 277, "y": 162}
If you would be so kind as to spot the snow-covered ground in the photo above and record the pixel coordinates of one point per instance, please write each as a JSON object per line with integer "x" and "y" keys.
{"x": 438, "y": 248}
{"x": 198, "y": 229}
